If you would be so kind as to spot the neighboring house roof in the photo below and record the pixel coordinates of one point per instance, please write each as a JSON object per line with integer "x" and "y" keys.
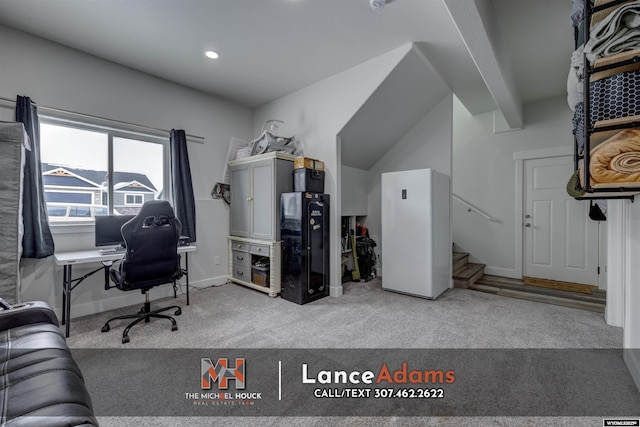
{"x": 130, "y": 177}
{"x": 95, "y": 177}
{"x": 134, "y": 186}
{"x": 65, "y": 179}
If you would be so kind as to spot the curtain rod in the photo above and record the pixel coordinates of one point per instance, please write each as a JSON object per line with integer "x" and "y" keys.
{"x": 6, "y": 102}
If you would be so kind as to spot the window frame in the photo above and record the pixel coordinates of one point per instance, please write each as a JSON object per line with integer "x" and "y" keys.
{"x": 113, "y": 130}
{"x": 134, "y": 195}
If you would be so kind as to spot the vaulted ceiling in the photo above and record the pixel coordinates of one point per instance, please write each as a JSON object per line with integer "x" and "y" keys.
{"x": 490, "y": 53}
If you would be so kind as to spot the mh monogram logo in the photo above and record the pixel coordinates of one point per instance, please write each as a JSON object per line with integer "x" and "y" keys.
{"x": 221, "y": 373}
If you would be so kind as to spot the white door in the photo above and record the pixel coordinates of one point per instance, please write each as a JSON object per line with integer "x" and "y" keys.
{"x": 560, "y": 241}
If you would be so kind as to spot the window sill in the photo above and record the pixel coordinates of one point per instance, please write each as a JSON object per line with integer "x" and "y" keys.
{"x": 72, "y": 227}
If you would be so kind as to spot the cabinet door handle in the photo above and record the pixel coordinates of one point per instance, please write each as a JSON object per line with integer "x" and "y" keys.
{"x": 240, "y": 273}
{"x": 249, "y": 199}
{"x": 239, "y": 258}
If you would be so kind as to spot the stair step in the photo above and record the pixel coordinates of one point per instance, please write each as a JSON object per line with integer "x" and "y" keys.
{"x": 467, "y": 275}
{"x": 547, "y": 299}
{"x": 598, "y": 297}
{"x": 468, "y": 270}
{"x": 460, "y": 259}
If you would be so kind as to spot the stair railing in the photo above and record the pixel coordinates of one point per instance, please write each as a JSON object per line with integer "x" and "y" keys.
{"x": 470, "y": 208}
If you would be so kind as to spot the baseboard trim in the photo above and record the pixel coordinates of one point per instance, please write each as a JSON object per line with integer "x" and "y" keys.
{"x": 124, "y": 299}
{"x": 207, "y": 283}
{"x": 335, "y": 291}
{"x": 502, "y": 272}
{"x": 631, "y": 357}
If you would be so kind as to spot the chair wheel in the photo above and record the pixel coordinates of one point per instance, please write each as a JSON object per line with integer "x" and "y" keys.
{"x": 106, "y": 328}
{"x": 174, "y": 327}
{"x": 125, "y": 339}
{"x": 178, "y": 312}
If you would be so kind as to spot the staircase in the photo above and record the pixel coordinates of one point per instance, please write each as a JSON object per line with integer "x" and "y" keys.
{"x": 515, "y": 288}
{"x": 465, "y": 274}
{"x": 468, "y": 275}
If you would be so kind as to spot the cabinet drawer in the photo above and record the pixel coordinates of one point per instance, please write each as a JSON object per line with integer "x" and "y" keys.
{"x": 241, "y": 259}
{"x": 239, "y": 246}
{"x": 259, "y": 249}
{"x": 242, "y": 273}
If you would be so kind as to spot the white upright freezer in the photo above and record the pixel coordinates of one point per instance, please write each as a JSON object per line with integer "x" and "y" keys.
{"x": 416, "y": 232}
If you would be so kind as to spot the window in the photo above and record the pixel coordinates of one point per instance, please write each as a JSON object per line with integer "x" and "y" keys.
{"x": 80, "y": 211}
{"x": 90, "y": 169}
{"x": 133, "y": 199}
{"x": 59, "y": 211}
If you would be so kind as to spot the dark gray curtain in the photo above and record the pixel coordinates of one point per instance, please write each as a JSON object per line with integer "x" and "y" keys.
{"x": 183, "y": 200}
{"x": 37, "y": 241}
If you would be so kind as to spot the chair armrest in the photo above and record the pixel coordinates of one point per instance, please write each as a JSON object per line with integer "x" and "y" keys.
{"x": 27, "y": 313}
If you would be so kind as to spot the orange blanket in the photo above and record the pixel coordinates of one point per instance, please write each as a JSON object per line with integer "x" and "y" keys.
{"x": 616, "y": 160}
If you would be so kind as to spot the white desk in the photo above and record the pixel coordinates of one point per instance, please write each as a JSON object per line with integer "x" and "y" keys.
{"x": 68, "y": 259}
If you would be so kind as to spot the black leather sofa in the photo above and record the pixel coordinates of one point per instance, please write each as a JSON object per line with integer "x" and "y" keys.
{"x": 40, "y": 383}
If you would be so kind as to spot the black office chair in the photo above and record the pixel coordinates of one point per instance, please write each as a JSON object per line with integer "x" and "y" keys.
{"x": 152, "y": 259}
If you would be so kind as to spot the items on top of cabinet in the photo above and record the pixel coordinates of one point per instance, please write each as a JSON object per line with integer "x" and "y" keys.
{"x": 308, "y": 175}
{"x": 309, "y": 180}
{"x": 604, "y": 92}
{"x": 269, "y": 141}
{"x": 308, "y": 163}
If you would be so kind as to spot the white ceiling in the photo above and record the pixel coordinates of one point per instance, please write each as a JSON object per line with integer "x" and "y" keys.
{"x": 269, "y": 48}
{"x": 490, "y": 53}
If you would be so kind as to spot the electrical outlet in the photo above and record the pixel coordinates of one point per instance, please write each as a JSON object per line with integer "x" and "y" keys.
{"x": 216, "y": 260}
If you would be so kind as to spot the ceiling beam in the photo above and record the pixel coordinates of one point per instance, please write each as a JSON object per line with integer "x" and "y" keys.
{"x": 494, "y": 68}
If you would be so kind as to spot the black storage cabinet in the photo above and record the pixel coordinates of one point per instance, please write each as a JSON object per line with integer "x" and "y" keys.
{"x": 305, "y": 246}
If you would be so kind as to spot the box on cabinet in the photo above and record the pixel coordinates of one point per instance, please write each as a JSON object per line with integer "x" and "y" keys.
{"x": 308, "y": 180}
{"x": 308, "y": 163}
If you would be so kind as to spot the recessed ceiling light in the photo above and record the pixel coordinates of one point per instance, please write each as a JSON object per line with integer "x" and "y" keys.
{"x": 212, "y": 54}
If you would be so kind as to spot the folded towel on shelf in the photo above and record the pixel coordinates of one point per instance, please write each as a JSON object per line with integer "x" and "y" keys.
{"x": 574, "y": 80}
{"x": 616, "y": 160}
{"x": 617, "y": 32}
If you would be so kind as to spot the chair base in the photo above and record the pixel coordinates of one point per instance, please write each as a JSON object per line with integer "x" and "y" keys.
{"x": 145, "y": 314}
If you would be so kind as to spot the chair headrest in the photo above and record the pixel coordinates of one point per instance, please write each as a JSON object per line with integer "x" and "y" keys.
{"x": 153, "y": 213}
{"x": 156, "y": 208}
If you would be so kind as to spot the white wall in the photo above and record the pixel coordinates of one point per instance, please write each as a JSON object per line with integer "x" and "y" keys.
{"x": 427, "y": 145}
{"x": 316, "y": 114}
{"x": 354, "y": 188}
{"x": 58, "y": 77}
{"x": 484, "y": 174}
{"x": 623, "y": 291}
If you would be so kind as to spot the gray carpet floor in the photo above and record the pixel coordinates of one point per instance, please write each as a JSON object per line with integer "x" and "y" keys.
{"x": 364, "y": 317}
{"x": 232, "y": 316}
